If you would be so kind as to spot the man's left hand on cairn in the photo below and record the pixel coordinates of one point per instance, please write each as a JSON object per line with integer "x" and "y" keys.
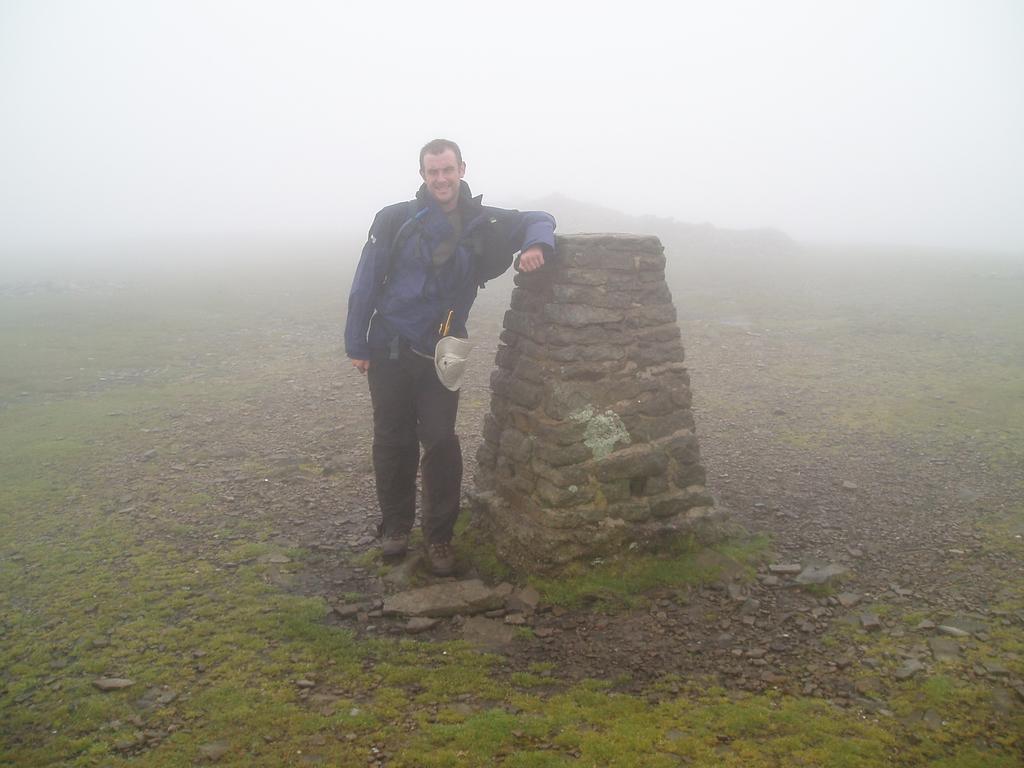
{"x": 532, "y": 258}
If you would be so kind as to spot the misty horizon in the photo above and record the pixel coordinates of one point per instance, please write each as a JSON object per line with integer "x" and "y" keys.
{"x": 852, "y": 123}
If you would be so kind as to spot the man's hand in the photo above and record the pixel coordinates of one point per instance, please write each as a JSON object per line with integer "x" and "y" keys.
{"x": 532, "y": 258}
{"x": 361, "y": 365}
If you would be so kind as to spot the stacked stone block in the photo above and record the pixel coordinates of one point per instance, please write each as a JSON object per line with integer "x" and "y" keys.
{"x": 590, "y": 444}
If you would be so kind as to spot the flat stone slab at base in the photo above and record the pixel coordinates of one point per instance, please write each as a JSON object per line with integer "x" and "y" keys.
{"x": 488, "y": 633}
{"x": 447, "y": 599}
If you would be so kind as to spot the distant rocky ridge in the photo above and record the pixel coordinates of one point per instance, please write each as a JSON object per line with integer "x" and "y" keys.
{"x": 702, "y": 245}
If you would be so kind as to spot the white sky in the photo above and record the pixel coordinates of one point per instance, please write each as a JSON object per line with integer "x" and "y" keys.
{"x": 890, "y": 121}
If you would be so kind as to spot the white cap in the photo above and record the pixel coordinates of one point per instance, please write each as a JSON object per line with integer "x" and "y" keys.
{"x": 450, "y": 360}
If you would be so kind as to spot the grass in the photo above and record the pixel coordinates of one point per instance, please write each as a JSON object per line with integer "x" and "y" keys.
{"x": 975, "y": 729}
{"x": 929, "y": 353}
{"x": 622, "y": 581}
{"x": 589, "y": 725}
{"x": 109, "y": 567}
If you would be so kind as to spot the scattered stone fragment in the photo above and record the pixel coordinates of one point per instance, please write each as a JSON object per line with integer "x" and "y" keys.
{"x": 149, "y": 455}
{"x": 127, "y": 745}
{"x": 544, "y": 631}
{"x": 849, "y": 485}
{"x": 820, "y": 574}
{"x": 460, "y": 597}
{"x": 928, "y": 718}
{"x": 326, "y": 702}
{"x": 925, "y": 625}
{"x": 773, "y": 678}
{"x": 419, "y": 624}
{"x": 1003, "y": 701}
{"x": 305, "y": 683}
{"x": 968, "y": 624}
{"x": 278, "y": 559}
{"x": 910, "y": 668}
{"x": 156, "y": 697}
{"x": 504, "y": 589}
{"x": 214, "y": 750}
{"x": 770, "y": 581}
{"x": 515, "y": 619}
{"x": 112, "y": 683}
{"x": 953, "y": 631}
{"x": 523, "y": 600}
{"x": 869, "y": 686}
{"x": 487, "y": 632}
{"x": 855, "y": 552}
{"x": 944, "y": 648}
{"x": 870, "y": 622}
{"x": 848, "y": 599}
{"x": 785, "y": 569}
{"x": 348, "y": 611}
{"x": 995, "y": 668}
{"x": 750, "y": 606}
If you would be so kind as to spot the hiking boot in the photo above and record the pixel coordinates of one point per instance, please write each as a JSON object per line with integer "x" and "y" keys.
{"x": 442, "y": 558}
{"x": 394, "y": 546}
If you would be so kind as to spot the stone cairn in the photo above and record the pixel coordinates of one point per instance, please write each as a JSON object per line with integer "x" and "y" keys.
{"x": 589, "y": 447}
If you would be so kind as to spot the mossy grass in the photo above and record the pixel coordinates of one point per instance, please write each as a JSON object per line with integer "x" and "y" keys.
{"x": 591, "y": 725}
{"x": 92, "y": 588}
{"x": 974, "y": 726}
{"x": 621, "y": 581}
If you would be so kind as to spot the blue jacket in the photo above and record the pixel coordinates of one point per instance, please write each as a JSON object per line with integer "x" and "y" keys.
{"x": 404, "y": 295}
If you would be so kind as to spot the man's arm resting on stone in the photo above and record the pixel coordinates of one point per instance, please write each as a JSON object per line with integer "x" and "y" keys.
{"x": 538, "y": 237}
{"x": 532, "y": 258}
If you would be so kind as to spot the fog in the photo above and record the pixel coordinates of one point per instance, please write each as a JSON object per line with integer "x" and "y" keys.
{"x": 125, "y": 123}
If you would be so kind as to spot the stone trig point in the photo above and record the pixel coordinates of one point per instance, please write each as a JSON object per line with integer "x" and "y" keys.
{"x": 589, "y": 447}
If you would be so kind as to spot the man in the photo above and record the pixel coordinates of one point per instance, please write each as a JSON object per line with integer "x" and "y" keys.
{"x": 416, "y": 282}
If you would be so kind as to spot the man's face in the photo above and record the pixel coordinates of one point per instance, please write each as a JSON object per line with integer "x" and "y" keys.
{"x": 442, "y": 174}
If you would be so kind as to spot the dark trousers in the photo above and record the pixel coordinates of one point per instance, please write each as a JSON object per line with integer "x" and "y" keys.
{"x": 411, "y": 407}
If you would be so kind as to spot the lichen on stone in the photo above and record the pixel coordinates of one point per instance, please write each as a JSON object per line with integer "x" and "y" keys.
{"x": 601, "y": 431}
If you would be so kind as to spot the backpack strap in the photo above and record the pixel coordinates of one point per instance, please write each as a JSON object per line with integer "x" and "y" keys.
{"x": 413, "y": 215}
{"x": 493, "y": 245}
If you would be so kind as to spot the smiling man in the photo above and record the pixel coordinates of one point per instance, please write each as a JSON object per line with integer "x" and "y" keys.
{"x": 417, "y": 278}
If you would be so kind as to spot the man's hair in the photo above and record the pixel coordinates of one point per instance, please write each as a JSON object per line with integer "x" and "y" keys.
{"x": 437, "y": 146}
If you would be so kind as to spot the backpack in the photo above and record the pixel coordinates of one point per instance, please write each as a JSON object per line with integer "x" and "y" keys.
{"x": 488, "y": 243}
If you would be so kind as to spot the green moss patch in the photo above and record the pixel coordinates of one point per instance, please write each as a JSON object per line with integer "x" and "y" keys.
{"x": 622, "y": 581}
